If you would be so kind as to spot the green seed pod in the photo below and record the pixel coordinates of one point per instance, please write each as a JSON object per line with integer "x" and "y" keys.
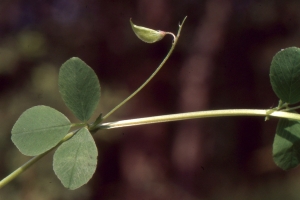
{"x": 147, "y": 35}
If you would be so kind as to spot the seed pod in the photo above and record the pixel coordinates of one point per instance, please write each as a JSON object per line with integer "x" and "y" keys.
{"x": 147, "y": 35}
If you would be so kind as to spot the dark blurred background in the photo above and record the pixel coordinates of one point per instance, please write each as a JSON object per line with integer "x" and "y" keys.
{"x": 221, "y": 61}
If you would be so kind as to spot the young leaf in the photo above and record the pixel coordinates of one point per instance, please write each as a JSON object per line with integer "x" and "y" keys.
{"x": 39, "y": 129}
{"x": 146, "y": 34}
{"x": 75, "y": 161}
{"x": 79, "y": 88}
{"x": 286, "y": 146}
{"x": 285, "y": 73}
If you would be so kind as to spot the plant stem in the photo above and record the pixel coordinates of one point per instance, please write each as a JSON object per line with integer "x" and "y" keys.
{"x": 33, "y": 160}
{"x": 78, "y": 124}
{"x": 152, "y": 75}
{"x": 292, "y": 108}
{"x": 25, "y": 166}
{"x": 158, "y": 119}
{"x": 195, "y": 115}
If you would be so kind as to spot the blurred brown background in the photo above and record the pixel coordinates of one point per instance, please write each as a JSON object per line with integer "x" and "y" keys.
{"x": 221, "y": 61}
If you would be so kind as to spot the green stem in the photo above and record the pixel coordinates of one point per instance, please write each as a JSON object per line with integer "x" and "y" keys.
{"x": 33, "y": 160}
{"x": 195, "y": 115}
{"x": 292, "y": 108}
{"x": 78, "y": 124}
{"x": 158, "y": 119}
{"x": 153, "y": 74}
{"x": 21, "y": 169}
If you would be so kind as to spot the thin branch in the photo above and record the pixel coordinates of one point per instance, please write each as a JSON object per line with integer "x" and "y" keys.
{"x": 33, "y": 160}
{"x": 152, "y": 75}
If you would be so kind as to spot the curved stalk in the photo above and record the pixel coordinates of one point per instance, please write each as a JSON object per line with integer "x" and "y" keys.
{"x": 152, "y": 75}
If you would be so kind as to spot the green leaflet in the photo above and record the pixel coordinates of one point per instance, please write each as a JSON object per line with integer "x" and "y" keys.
{"x": 285, "y": 73}
{"x": 286, "y": 145}
{"x": 75, "y": 161}
{"x": 147, "y": 35}
{"x": 79, "y": 87}
{"x": 39, "y": 129}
